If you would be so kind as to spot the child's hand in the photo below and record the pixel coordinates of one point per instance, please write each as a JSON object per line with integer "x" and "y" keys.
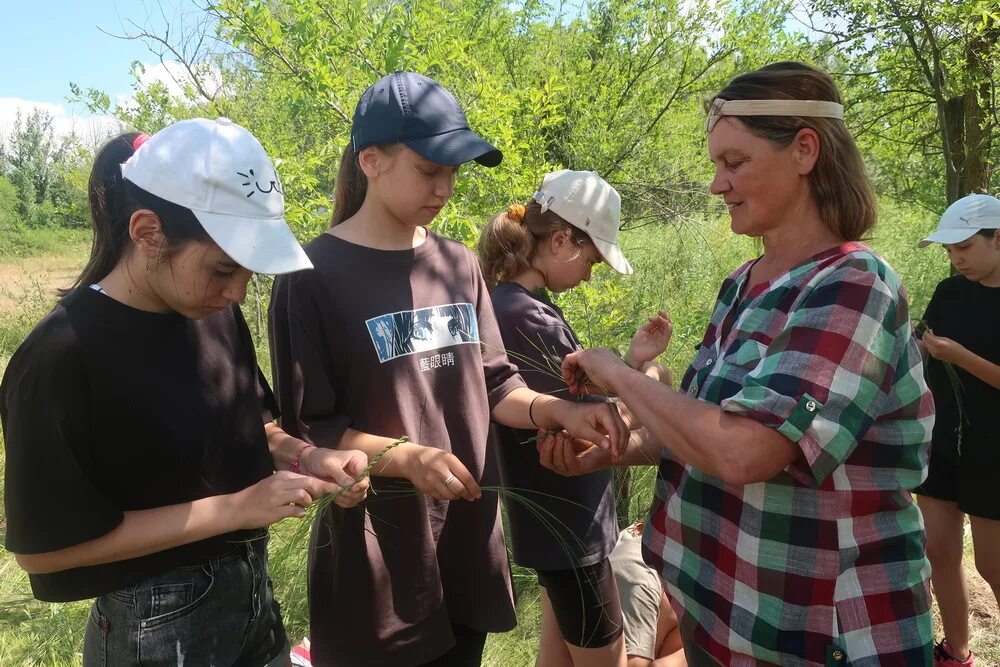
{"x": 650, "y": 341}
{"x": 943, "y": 349}
{"x": 341, "y": 467}
{"x": 277, "y": 497}
{"x": 438, "y": 473}
{"x": 571, "y": 457}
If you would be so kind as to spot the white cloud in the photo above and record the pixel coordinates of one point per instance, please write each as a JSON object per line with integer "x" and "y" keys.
{"x": 175, "y": 77}
{"x": 90, "y": 128}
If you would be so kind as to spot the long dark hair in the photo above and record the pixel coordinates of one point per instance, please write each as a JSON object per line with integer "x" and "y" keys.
{"x": 113, "y": 200}
{"x": 351, "y": 185}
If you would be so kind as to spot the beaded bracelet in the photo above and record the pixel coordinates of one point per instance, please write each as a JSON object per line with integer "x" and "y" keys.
{"x": 294, "y": 465}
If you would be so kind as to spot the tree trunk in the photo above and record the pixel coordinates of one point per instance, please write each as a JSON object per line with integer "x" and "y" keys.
{"x": 978, "y": 100}
{"x": 952, "y": 118}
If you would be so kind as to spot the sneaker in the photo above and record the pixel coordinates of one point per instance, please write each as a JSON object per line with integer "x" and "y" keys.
{"x": 943, "y": 657}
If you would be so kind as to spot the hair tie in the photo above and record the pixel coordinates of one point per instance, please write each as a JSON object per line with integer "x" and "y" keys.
{"x": 139, "y": 141}
{"x": 516, "y": 213}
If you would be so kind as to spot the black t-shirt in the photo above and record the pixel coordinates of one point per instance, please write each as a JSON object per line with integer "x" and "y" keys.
{"x": 568, "y": 522}
{"x": 968, "y": 313}
{"x": 107, "y": 408}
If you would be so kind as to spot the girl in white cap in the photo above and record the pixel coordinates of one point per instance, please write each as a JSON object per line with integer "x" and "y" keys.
{"x": 570, "y": 529}
{"x": 140, "y": 448}
{"x": 393, "y": 334}
{"x": 962, "y": 324}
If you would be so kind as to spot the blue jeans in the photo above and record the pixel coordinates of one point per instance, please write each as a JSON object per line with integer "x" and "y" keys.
{"x": 219, "y": 614}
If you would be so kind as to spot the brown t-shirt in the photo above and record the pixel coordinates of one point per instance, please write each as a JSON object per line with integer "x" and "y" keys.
{"x": 555, "y": 522}
{"x": 397, "y": 343}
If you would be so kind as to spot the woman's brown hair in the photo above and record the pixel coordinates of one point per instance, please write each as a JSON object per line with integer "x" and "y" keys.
{"x": 113, "y": 200}
{"x": 351, "y": 184}
{"x": 838, "y": 182}
{"x": 508, "y": 243}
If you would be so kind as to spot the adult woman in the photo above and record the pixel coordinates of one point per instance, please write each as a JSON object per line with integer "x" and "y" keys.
{"x": 783, "y": 525}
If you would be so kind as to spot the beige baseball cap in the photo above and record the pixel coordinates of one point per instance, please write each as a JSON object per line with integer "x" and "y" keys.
{"x": 589, "y": 203}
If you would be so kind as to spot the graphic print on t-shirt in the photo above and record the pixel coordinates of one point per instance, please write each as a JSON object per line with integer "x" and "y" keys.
{"x": 411, "y": 331}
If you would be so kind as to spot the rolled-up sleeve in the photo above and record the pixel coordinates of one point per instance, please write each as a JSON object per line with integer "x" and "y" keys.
{"x": 821, "y": 380}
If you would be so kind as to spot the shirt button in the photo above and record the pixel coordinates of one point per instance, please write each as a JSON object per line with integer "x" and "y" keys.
{"x": 811, "y": 406}
{"x": 838, "y": 655}
{"x": 709, "y": 362}
{"x": 692, "y": 390}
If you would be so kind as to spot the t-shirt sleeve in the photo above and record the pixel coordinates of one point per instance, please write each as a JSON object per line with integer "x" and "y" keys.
{"x": 51, "y": 499}
{"x": 268, "y": 403}
{"x": 537, "y": 341}
{"x": 932, "y": 314}
{"x": 299, "y": 363}
{"x": 820, "y": 381}
{"x": 501, "y": 376}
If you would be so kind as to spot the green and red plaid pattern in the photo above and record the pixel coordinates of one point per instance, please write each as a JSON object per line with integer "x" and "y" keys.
{"x": 824, "y": 563}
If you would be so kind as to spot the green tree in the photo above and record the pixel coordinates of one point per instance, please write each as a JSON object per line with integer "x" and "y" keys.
{"x": 922, "y": 76}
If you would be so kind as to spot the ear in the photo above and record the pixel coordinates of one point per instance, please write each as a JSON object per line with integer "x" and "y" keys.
{"x": 559, "y": 239}
{"x": 372, "y": 161}
{"x": 806, "y": 147}
{"x": 146, "y": 232}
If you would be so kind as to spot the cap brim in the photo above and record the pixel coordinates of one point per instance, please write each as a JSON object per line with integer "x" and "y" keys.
{"x": 456, "y": 147}
{"x": 613, "y": 255}
{"x": 948, "y": 236}
{"x": 263, "y": 245}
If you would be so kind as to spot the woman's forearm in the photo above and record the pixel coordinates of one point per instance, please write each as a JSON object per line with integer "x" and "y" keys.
{"x": 141, "y": 533}
{"x": 982, "y": 368}
{"x": 734, "y": 448}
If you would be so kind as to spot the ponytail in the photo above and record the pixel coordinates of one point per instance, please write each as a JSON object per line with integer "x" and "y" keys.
{"x": 113, "y": 200}
{"x": 351, "y": 185}
{"x": 508, "y": 243}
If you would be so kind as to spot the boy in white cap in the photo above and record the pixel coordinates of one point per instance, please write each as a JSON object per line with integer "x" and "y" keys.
{"x": 962, "y": 321}
{"x": 140, "y": 448}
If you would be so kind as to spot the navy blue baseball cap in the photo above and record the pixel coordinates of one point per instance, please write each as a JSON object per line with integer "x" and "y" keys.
{"x": 407, "y": 108}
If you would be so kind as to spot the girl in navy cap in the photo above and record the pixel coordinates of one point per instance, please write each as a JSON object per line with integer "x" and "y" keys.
{"x": 140, "y": 444}
{"x": 963, "y": 321}
{"x": 393, "y": 334}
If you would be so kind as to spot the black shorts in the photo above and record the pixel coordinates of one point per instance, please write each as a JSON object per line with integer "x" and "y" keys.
{"x": 966, "y": 479}
{"x": 586, "y": 604}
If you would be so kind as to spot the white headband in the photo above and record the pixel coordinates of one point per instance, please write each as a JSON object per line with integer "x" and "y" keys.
{"x": 805, "y": 108}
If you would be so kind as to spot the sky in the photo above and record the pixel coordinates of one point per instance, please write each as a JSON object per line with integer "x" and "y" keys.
{"x": 46, "y": 44}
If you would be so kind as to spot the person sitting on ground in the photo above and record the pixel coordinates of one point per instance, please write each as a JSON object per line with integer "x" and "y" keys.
{"x": 652, "y": 633}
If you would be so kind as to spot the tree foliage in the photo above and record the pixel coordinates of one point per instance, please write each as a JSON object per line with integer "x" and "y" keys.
{"x": 922, "y": 78}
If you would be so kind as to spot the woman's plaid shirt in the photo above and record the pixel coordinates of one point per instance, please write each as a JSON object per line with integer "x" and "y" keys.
{"x": 824, "y": 563}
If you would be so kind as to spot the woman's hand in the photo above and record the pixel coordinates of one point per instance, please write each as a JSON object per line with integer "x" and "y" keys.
{"x": 944, "y": 349}
{"x": 597, "y": 366}
{"x": 571, "y": 457}
{"x": 277, "y": 497}
{"x": 342, "y": 467}
{"x": 650, "y": 340}
{"x": 600, "y": 423}
{"x": 437, "y": 473}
